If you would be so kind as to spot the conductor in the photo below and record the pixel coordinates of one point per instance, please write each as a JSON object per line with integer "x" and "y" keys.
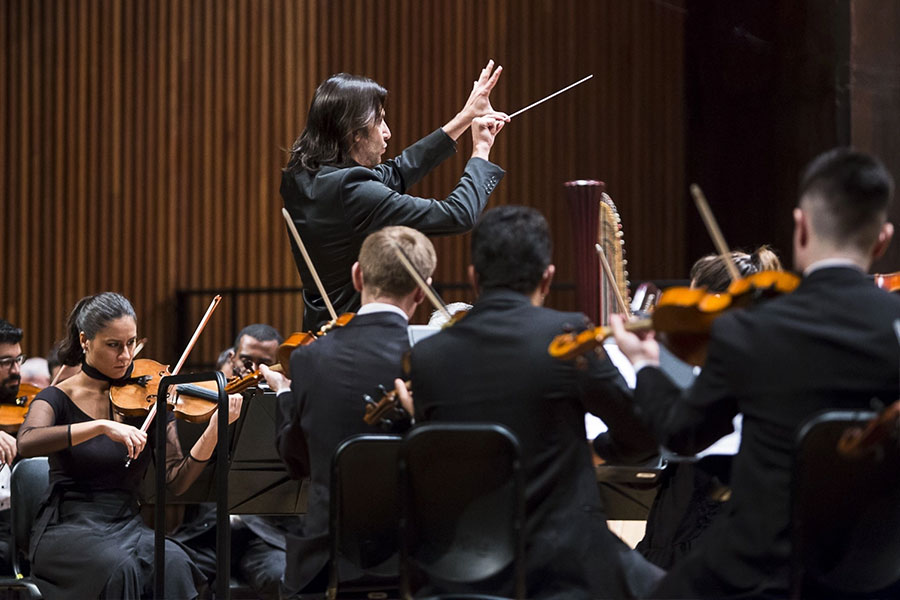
{"x": 337, "y": 190}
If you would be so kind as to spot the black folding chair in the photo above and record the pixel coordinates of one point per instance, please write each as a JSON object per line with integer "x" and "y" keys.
{"x": 463, "y": 512}
{"x": 364, "y": 519}
{"x": 846, "y": 512}
{"x": 28, "y": 484}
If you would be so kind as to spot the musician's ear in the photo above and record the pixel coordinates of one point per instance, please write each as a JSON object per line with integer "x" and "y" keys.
{"x": 547, "y": 279}
{"x": 357, "y": 276}
{"x": 884, "y": 240}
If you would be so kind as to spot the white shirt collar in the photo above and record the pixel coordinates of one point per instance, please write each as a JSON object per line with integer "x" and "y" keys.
{"x": 827, "y": 263}
{"x": 376, "y": 307}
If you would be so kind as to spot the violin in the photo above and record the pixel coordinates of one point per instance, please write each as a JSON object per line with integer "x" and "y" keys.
{"x": 387, "y": 410}
{"x": 890, "y": 282}
{"x": 138, "y": 398}
{"x": 684, "y": 316}
{"x": 856, "y": 441}
{"x": 209, "y": 390}
{"x": 13, "y": 415}
{"x": 304, "y": 338}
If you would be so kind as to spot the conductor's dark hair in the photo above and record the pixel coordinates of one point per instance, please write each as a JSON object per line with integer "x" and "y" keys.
{"x": 90, "y": 315}
{"x": 511, "y": 248}
{"x": 259, "y": 331}
{"x": 342, "y": 106}
{"x": 847, "y": 194}
{"x": 9, "y": 333}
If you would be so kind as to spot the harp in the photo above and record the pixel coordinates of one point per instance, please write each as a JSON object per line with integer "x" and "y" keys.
{"x": 595, "y": 220}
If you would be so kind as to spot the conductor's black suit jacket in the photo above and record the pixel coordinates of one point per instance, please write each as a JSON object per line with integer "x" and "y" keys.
{"x": 335, "y": 209}
{"x": 830, "y": 344}
{"x": 325, "y": 407}
{"x": 493, "y": 366}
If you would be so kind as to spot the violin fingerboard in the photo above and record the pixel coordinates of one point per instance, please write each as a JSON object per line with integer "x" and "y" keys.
{"x": 197, "y": 391}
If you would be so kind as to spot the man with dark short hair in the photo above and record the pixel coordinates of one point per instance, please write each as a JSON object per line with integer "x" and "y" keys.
{"x": 324, "y": 404}
{"x": 11, "y": 359}
{"x": 258, "y": 542}
{"x": 828, "y": 345}
{"x": 255, "y": 345}
{"x": 493, "y": 366}
{"x": 338, "y": 191}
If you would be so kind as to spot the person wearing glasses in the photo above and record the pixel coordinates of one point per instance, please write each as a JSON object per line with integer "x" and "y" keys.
{"x": 11, "y": 359}
{"x": 254, "y": 345}
{"x": 89, "y": 539}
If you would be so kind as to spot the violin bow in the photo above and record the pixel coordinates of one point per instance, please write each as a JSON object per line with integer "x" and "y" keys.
{"x": 184, "y": 355}
{"x": 612, "y": 279}
{"x": 715, "y": 233}
{"x": 420, "y": 281}
{"x": 309, "y": 264}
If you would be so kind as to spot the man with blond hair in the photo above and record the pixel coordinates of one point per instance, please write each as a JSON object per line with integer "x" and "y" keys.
{"x": 324, "y": 404}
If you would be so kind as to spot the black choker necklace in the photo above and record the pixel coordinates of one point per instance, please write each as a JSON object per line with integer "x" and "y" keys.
{"x": 96, "y": 374}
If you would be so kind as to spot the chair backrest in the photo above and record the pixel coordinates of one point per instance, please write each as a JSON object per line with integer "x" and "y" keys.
{"x": 27, "y": 487}
{"x": 463, "y": 510}
{"x": 365, "y": 510}
{"x": 845, "y": 511}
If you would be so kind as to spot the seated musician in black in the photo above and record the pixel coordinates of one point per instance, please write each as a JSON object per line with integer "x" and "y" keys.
{"x": 89, "y": 539}
{"x": 257, "y": 542}
{"x": 691, "y": 494}
{"x": 11, "y": 359}
{"x": 338, "y": 191}
{"x": 493, "y": 366}
{"x": 330, "y": 377}
{"x": 828, "y": 345}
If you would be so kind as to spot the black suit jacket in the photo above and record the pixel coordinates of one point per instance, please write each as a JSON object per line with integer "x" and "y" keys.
{"x": 337, "y": 207}
{"x": 829, "y": 345}
{"x": 493, "y": 366}
{"x": 329, "y": 378}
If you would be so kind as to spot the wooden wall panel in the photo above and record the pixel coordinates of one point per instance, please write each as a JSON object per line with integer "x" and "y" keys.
{"x": 141, "y": 142}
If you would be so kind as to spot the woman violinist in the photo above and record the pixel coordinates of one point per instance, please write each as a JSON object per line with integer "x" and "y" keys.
{"x": 89, "y": 539}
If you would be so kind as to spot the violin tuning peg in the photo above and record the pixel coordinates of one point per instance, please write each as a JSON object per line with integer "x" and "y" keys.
{"x": 382, "y": 389}
{"x": 368, "y": 399}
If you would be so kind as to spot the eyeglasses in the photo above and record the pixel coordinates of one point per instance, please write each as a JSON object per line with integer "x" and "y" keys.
{"x": 6, "y": 363}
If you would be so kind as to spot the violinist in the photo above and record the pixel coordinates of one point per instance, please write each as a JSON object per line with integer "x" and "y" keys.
{"x": 828, "y": 345}
{"x": 338, "y": 191}
{"x": 11, "y": 359}
{"x": 493, "y": 366}
{"x": 323, "y": 405}
{"x": 690, "y": 494}
{"x": 257, "y": 542}
{"x": 89, "y": 539}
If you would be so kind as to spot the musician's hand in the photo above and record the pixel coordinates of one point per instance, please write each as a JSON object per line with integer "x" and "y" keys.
{"x": 484, "y": 131}
{"x": 7, "y": 448}
{"x": 635, "y": 348}
{"x": 405, "y": 396}
{"x": 234, "y": 411}
{"x": 132, "y": 438}
{"x": 276, "y": 380}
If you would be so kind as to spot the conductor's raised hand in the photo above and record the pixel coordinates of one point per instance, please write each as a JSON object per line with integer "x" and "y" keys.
{"x": 484, "y": 132}
{"x": 479, "y": 102}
